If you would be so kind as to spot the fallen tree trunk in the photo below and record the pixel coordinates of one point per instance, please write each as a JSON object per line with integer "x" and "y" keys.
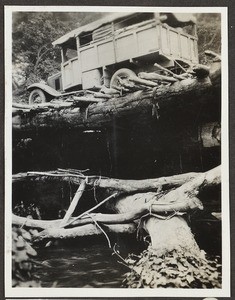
{"x": 186, "y": 193}
{"x": 138, "y": 104}
{"x": 85, "y": 230}
{"x": 145, "y": 206}
{"x": 189, "y": 190}
{"x": 174, "y": 258}
{"x": 121, "y": 185}
{"x": 136, "y": 206}
{"x": 171, "y": 234}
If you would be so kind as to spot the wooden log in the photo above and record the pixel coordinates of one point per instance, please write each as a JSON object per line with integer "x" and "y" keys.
{"x": 102, "y": 95}
{"x": 109, "y": 91}
{"x": 85, "y": 230}
{"x": 73, "y": 204}
{"x": 155, "y": 76}
{"x": 99, "y": 94}
{"x": 120, "y": 89}
{"x": 179, "y": 77}
{"x": 121, "y": 185}
{"x": 216, "y": 57}
{"x": 86, "y": 99}
{"x": 143, "y": 201}
{"x": 171, "y": 234}
{"x": 215, "y": 74}
{"x": 182, "y": 199}
{"x": 127, "y": 85}
{"x": 41, "y": 105}
{"x": 87, "y": 219}
{"x": 135, "y": 104}
{"x": 18, "y": 112}
{"x": 93, "y": 208}
{"x": 201, "y": 71}
{"x": 166, "y": 235}
{"x": 143, "y": 81}
{"x": 217, "y": 215}
{"x": 174, "y": 259}
{"x": 189, "y": 193}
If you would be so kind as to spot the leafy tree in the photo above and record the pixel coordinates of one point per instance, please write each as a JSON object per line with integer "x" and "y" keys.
{"x": 34, "y": 58}
{"x": 33, "y": 55}
{"x": 209, "y": 34}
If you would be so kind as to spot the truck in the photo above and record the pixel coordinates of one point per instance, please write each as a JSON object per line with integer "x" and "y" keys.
{"x": 119, "y": 45}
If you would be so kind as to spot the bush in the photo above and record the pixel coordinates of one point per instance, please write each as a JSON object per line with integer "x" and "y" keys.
{"x": 22, "y": 263}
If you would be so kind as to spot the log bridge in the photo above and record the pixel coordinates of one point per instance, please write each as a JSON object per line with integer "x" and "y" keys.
{"x": 138, "y": 100}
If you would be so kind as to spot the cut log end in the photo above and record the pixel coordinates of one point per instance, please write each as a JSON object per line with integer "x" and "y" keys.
{"x": 172, "y": 234}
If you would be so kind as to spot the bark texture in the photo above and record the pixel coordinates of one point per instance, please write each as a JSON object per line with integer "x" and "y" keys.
{"x": 121, "y": 185}
{"x": 157, "y": 209}
{"x": 137, "y": 104}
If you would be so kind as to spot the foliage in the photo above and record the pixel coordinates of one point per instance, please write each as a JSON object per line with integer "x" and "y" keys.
{"x": 173, "y": 270}
{"x": 22, "y": 264}
{"x": 23, "y": 210}
{"x": 33, "y": 56}
{"x": 32, "y": 52}
{"x": 209, "y": 34}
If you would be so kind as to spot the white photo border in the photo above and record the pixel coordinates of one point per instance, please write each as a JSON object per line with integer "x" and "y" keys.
{"x": 105, "y": 292}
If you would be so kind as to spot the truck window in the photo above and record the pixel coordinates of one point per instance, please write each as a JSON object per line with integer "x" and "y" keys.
{"x": 85, "y": 38}
{"x": 57, "y": 84}
{"x": 69, "y": 50}
{"x": 70, "y": 53}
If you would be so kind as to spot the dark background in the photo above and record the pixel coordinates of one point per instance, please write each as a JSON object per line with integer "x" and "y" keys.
{"x": 231, "y": 55}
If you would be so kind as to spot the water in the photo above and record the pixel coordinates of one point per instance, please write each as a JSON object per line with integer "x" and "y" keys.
{"x": 82, "y": 267}
{"x": 88, "y": 262}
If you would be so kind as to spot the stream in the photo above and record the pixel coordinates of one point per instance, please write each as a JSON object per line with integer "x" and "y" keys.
{"x": 91, "y": 266}
{"x": 90, "y": 263}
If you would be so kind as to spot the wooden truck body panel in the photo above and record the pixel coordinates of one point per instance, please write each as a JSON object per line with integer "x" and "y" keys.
{"x": 148, "y": 40}
{"x": 91, "y": 54}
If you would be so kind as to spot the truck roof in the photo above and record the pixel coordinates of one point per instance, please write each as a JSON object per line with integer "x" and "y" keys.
{"x": 91, "y": 26}
{"x": 176, "y": 19}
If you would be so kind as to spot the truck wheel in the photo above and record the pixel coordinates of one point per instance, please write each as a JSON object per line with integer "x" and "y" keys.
{"x": 124, "y": 74}
{"x": 37, "y": 96}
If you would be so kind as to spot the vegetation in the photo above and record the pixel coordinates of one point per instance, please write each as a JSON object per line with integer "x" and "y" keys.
{"x": 174, "y": 269}
{"x": 22, "y": 263}
{"x": 209, "y": 34}
{"x": 33, "y": 56}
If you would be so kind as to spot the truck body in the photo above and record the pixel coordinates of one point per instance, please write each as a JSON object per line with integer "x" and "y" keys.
{"x": 91, "y": 54}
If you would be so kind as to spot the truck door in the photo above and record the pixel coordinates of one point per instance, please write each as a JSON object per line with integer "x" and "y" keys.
{"x": 70, "y": 67}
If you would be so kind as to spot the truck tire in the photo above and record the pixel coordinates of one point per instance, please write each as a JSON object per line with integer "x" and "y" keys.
{"x": 124, "y": 74}
{"x": 37, "y": 96}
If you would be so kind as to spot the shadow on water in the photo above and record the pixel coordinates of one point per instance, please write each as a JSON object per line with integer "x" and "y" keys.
{"x": 81, "y": 265}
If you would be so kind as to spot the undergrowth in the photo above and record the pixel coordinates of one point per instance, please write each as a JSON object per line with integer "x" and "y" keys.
{"x": 23, "y": 265}
{"x": 173, "y": 270}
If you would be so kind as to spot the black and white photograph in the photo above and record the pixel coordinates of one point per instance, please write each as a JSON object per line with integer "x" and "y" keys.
{"x": 116, "y": 138}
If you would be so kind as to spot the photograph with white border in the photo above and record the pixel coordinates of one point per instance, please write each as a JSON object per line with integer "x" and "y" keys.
{"x": 116, "y": 152}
